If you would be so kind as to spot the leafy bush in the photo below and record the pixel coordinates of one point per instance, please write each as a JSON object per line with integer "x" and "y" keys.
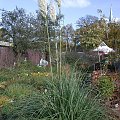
{"x": 35, "y": 81}
{"x": 4, "y": 100}
{"x": 27, "y": 66}
{"x": 5, "y": 74}
{"x": 106, "y": 86}
{"x": 65, "y": 99}
{"x": 17, "y": 91}
{"x": 71, "y": 57}
{"x": 76, "y": 59}
{"x": 3, "y": 78}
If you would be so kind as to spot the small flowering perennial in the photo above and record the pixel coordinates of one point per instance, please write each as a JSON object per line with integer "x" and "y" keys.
{"x": 4, "y": 100}
{"x": 52, "y": 11}
{"x": 43, "y": 7}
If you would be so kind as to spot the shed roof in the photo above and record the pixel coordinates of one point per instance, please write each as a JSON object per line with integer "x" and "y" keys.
{"x": 6, "y": 44}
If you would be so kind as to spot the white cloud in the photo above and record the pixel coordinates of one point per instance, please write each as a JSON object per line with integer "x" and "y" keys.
{"x": 117, "y": 19}
{"x": 74, "y": 3}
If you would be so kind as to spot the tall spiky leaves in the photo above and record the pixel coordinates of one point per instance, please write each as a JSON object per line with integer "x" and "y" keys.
{"x": 43, "y": 7}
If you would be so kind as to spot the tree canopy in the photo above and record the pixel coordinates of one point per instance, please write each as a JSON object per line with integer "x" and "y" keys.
{"x": 91, "y": 31}
{"x": 30, "y": 31}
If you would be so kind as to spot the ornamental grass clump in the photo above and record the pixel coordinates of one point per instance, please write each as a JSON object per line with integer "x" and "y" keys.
{"x": 65, "y": 99}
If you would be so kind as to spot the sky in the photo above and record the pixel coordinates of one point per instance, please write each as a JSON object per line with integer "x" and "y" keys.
{"x": 71, "y": 9}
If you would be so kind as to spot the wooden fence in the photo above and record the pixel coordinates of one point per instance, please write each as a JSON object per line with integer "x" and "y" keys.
{"x": 7, "y": 57}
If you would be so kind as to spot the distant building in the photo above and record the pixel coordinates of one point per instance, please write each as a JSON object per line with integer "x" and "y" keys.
{"x": 111, "y": 19}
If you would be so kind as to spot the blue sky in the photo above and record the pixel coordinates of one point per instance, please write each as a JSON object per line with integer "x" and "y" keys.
{"x": 72, "y": 9}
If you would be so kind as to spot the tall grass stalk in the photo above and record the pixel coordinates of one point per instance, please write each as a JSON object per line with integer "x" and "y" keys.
{"x": 43, "y": 10}
{"x": 48, "y": 37}
{"x": 57, "y": 57}
{"x": 60, "y": 44}
{"x": 59, "y": 64}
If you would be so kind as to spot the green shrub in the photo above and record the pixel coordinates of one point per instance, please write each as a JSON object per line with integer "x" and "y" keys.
{"x": 5, "y": 74}
{"x": 106, "y": 86}
{"x": 71, "y": 57}
{"x": 17, "y": 91}
{"x": 27, "y": 66}
{"x": 35, "y": 81}
{"x": 3, "y": 78}
{"x": 65, "y": 99}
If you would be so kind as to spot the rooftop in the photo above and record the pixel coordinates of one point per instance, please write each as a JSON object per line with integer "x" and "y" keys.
{"x": 6, "y": 44}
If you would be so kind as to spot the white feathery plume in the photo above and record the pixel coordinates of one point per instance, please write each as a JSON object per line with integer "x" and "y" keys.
{"x": 52, "y": 11}
{"x": 58, "y": 3}
{"x": 43, "y": 7}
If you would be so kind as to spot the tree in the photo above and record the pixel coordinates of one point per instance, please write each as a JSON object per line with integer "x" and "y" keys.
{"x": 23, "y": 29}
{"x": 41, "y": 30}
{"x": 68, "y": 35}
{"x": 17, "y": 26}
{"x": 86, "y": 21}
{"x": 27, "y": 30}
{"x": 113, "y": 36}
{"x": 91, "y": 31}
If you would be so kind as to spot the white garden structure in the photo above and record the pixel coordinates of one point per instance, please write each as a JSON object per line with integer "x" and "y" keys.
{"x": 104, "y": 48}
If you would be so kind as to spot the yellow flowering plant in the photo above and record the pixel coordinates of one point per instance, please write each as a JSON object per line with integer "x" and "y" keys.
{"x": 4, "y": 100}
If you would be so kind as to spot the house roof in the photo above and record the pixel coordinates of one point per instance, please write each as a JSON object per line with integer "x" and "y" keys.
{"x": 6, "y": 44}
{"x": 104, "y": 48}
